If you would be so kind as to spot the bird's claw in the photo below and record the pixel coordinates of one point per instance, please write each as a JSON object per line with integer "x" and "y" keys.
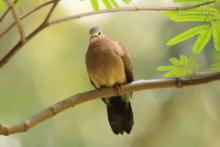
{"x": 117, "y": 88}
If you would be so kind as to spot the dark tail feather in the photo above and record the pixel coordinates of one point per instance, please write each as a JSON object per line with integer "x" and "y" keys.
{"x": 120, "y": 115}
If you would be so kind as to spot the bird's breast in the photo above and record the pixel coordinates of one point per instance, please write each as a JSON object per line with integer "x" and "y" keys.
{"x": 105, "y": 68}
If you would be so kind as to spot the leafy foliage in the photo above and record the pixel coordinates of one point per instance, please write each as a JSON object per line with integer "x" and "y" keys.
{"x": 126, "y": 1}
{"x": 192, "y": 1}
{"x": 216, "y": 66}
{"x": 95, "y": 4}
{"x": 187, "y": 34}
{"x": 180, "y": 67}
{"x": 108, "y": 3}
{"x": 197, "y": 14}
{"x": 201, "y": 41}
{"x": 204, "y": 32}
{"x": 216, "y": 35}
{"x": 1, "y": 5}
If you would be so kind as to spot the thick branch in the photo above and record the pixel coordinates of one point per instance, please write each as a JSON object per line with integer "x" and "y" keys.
{"x": 77, "y": 99}
{"x": 17, "y": 20}
{"x": 14, "y": 50}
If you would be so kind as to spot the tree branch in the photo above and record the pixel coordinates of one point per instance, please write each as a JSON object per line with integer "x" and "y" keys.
{"x": 17, "y": 20}
{"x": 196, "y": 79}
{"x": 24, "y": 16}
{"x": 6, "y": 12}
{"x": 55, "y": 2}
{"x": 131, "y": 9}
{"x": 14, "y": 50}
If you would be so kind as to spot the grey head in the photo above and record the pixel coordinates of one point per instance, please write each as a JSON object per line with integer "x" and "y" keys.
{"x": 95, "y": 31}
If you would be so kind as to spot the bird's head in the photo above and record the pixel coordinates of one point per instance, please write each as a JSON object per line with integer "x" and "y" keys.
{"x": 95, "y": 32}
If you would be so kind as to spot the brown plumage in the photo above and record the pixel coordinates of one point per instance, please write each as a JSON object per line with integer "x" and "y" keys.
{"x": 108, "y": 64}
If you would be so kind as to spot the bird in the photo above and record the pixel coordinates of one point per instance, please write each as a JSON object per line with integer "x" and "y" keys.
{"x": 108, "y": 64}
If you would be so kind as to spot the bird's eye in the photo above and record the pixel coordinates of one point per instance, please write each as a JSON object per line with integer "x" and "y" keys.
{"x": 99, "y": 33}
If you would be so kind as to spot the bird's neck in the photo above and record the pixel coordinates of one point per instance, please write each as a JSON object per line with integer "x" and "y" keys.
{"x": 94, "y": 39}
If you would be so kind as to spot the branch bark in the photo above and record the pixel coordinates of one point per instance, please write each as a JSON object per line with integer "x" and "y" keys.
{"x": 6, "y": 12}
{"x": 131, "y": 9}
{"x": 17, "y": 20}
{"x": 19, "y": 45}
{"x": 55, "y": 2}
{"x": 196, "y": 79}
{"x": 24, "y": 16}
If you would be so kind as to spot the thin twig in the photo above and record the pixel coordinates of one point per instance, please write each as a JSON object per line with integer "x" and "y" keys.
{"x": 17, "y": 20}
{"x": 51, "y": 11}
{"x": 6, "y": 12}
{"x": 20, "y": 44}
{"x": 30, "y": 36}
{"x": 24, "y": 16}
{"x": 131, "y": 9}
{"x": 77, "y": 99}
{"x": 12, "y": 52}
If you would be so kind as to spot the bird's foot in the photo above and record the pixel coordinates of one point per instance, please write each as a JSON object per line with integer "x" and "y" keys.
{"x": 117, "y": 88}
{"x": 99, "y": 89}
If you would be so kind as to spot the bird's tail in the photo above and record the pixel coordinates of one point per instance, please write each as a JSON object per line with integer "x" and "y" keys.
{"x": 120, "y": 115}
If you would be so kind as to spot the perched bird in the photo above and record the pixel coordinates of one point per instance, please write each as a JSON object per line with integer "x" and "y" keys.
{"x": 109, "y": 65}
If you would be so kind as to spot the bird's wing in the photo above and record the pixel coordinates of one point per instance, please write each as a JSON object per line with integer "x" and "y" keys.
{"x": 92, "y": 82}
{"x": 127, "y": 64}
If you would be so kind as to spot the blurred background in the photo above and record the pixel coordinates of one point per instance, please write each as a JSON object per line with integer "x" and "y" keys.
{"x": 51, "y": 67}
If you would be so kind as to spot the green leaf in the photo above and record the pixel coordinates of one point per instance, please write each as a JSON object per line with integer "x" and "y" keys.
{"x": 107, "y": 4}
{"x": 164, "y": 68}
{"x": 183, "y": 59}
{"x": 196, "y": 14}
{"x": 126, "y": 1}
{"x": 205, "y": 32}
{"x": 202, "y": 41}
{"x": 181, "y": 67}
{"x": 115, "y": 3}
{"x": 169, "y": 74}
{"x": 192, "y": 1}
{"x": 216, "y": 66}
{"x": 174, "y": 61}
{"x": 2, "y": 7}
{"x": 95, "y": 4}
{"x": 216, "y": 35}
{"x": 187, "y": 34}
